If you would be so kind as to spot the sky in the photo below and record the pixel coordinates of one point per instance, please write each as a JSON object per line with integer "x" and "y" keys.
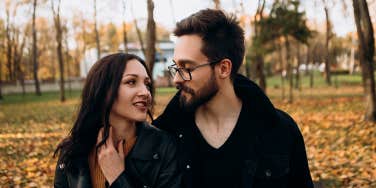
{"x": 112, "y": 11}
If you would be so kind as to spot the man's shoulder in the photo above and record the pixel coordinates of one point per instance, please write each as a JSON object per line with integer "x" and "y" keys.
{"x": 286, "y": 121}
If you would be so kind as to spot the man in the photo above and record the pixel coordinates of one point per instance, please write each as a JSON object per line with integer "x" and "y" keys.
{"x": 229, "y": 134}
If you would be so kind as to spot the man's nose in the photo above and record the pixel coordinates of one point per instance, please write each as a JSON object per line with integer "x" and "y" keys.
{"x": 177, "y": 79}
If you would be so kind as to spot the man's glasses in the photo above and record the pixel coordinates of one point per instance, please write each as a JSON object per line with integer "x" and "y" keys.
{"x": 185, "y": 73}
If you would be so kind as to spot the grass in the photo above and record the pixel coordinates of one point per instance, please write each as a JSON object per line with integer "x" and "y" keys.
{"x": 340, "y": 145}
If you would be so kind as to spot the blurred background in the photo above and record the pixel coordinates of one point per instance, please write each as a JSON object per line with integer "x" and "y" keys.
{"x": 314, "y": 59}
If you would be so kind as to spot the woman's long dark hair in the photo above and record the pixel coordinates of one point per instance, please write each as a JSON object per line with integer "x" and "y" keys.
{"x": 98, "y": 95}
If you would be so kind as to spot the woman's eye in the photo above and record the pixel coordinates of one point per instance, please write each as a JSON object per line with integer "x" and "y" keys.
{"x": 130, "y": 82}
{"x": 148, "y": 85}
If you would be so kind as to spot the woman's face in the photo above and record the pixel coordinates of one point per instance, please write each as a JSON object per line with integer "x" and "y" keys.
{"x": 134, "y": 98}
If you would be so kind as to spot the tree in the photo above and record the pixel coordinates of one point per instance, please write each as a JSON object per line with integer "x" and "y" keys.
{"x": 125, "y": 39}
{"x": 328, "y": 36}
{"x": 366, "y": 46}
{"x": 9, "y": 39}
{"x": 59, "y": 47}
{"x": 217, "y": 4}
{"x": 97, "y": 40}
{"x": 257, "y": 46}
{"x": 1, "y": 59}
{"x": 18, "y": 51}
{"x": 138, "y": 31}
{"x": 35, "y": 51}
{"x": 150, "y": 37}
{"x": 286, "y": 22}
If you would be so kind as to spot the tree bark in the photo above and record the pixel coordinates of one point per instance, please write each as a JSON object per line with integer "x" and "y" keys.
{"x": 139, "y": 36}
{"x": 59, "y": 48}
{"x": 18, "y": 56}
{"x": 297, "y": 75}
{"x": 217, "y": 4}
{"x": 150, "y": 37}
{"x": 282, "y": 67}
{"x": 1, "y": 78}
{"x": 125, "y": 38}
{"x": 366, "y": 45}
{"x": 35, "y": 51}
{"x": 259, "y": 59}
{"x": 97, "y": 41}
{"x": 327, "y": 40}
{"x": 9, "y": 45}
{"x": 289, "y": 69}
{"x": 67, "y": 60}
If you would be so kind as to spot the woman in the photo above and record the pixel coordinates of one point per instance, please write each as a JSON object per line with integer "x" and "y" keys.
{"x": 110, "y": 143}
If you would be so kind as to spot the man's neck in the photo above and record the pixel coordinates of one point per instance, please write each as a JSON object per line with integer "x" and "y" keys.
{"x": 222, "y": 108}
{"x": 217, "y": 118}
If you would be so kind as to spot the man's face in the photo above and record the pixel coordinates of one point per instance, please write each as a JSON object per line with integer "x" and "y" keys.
{"x": 203, "y": 85}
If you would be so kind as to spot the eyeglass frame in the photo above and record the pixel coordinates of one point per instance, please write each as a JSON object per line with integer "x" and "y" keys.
{"x": 189, "y": 70}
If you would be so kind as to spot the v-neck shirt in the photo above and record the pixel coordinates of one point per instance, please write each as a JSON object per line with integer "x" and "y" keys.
{"x": 219, "y": 167}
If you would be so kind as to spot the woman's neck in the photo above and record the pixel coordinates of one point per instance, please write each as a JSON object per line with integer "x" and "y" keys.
{"x": 123, "y": 129}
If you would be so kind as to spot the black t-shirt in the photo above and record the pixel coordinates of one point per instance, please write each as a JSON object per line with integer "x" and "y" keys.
{"x": 220, "y": 167}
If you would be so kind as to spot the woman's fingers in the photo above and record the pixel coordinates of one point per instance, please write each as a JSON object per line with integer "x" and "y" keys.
{"x": 120, "y": 149}
{"x": 100, "y": 136}
{"x": 109, "y": 141}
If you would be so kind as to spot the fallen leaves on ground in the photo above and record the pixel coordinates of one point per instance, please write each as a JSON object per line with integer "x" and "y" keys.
{"x": 341, "y": 147}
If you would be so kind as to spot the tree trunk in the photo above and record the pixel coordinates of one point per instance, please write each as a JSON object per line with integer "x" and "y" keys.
{"x": 366, "y": 45}
{"x": 35, "y": 52}
{"x": 97, "y": 41}
{"x": 297, "y": 76}
{"x": 67, "y": 58}
{"x": 258, "y": 55}
{"x": 327, "y": 40}
{"x": 139, "y": 36}
{"x": 217, "y": 4}
{"x": 59, "y": 49}
{"x": 282, "y": 67}
{"x": 150, "y": 37}
{"x": 18, "y": 56}
{"x": 125, "y": 38}
{"x": 289, "y": 70}
{"x": 260, "y": 72}
{"x": 9, "y": 45}
{"x": 1, "y": 79}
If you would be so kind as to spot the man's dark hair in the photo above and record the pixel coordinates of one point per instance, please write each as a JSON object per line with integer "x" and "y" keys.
{"x": 221, "y": 35}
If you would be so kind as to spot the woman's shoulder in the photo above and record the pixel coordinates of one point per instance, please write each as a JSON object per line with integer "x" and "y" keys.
{"x": 151, "y": 136}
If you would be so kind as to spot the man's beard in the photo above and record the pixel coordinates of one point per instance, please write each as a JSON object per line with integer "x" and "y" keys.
{"x": 203, "y": 95}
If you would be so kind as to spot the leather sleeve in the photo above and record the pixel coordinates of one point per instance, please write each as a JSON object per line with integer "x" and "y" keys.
{"x": 123, "y": 181}
{"x": 169, "y": 176}
{"x": 60, "y": 179}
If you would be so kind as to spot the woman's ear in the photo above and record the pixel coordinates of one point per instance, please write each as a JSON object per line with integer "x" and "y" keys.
{"x": 224, "y": 68}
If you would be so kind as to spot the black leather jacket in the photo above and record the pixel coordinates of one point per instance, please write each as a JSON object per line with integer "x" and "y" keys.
{"x": 274, "y": 147}
{"x": 151, "y": 163}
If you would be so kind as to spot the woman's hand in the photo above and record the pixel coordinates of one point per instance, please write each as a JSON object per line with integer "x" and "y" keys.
{"x": 110, "y": 160}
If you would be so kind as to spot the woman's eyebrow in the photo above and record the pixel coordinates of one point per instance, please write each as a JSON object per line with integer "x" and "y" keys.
{"x": 134, "y": 75}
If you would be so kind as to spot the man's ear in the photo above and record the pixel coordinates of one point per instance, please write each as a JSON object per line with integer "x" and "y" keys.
{"x": 224, "y": 68}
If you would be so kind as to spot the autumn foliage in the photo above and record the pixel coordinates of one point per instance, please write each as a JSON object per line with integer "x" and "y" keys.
{"x": 341, "y": 147}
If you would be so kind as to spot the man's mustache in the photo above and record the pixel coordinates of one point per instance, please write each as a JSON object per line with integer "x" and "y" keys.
{"x": 185, "y": 89}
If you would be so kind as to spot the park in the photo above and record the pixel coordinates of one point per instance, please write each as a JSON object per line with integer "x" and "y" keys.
{"x": 323, "y": 78}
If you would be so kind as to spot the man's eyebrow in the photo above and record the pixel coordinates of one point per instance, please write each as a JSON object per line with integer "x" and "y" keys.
{"x": 184, "y": 61}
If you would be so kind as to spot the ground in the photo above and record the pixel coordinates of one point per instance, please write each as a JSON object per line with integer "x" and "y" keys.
{"x": 341, "y": 147}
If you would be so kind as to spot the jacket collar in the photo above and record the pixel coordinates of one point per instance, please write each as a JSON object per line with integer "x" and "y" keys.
{"x": 253, "y": 98}
{"x": 144, "y": 148}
